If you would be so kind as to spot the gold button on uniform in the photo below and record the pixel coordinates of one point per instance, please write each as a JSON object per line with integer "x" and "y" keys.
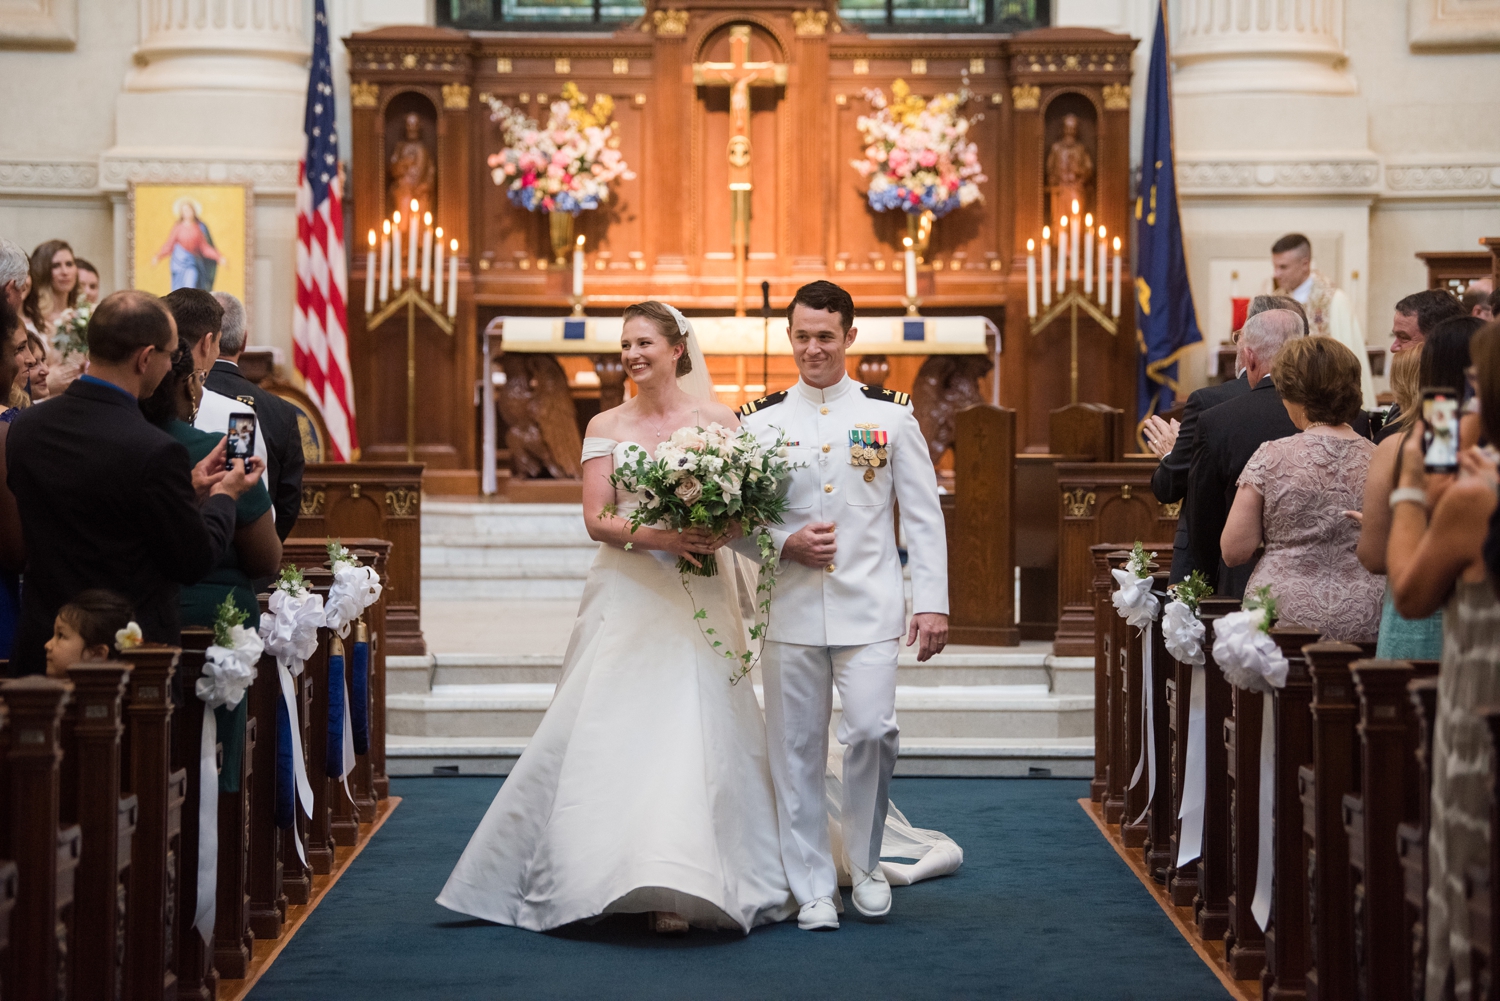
{"x": 827, "y": 447}
{"x": 823, "y": 410}
{"x": 828, "y": 488}
{"x": 828, "y": 568}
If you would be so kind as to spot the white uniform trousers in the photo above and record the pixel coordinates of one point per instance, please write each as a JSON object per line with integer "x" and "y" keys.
{"x": 799, "y": 683}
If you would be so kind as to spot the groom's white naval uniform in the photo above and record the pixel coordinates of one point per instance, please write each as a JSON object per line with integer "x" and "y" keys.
{"x": 841, "y": 625}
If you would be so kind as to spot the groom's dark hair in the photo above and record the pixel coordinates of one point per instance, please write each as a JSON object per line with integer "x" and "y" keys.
{"x": 825, "y": 296}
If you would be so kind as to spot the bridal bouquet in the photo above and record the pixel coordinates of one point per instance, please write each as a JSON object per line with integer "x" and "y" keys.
{"x": 918, "y": 156}
{"x": 71, "y": 335}
{"x": 567, "y": 166}
{"x": 711, "y": 478}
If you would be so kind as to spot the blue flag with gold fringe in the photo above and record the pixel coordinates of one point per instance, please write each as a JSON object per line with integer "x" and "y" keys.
{"x": 1166, "y": 323}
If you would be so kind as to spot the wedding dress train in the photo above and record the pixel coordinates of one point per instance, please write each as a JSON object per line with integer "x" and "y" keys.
{"x": 646, "y": 786}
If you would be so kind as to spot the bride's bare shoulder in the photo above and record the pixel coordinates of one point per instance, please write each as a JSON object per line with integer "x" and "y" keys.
{"x": 606, "y": 424}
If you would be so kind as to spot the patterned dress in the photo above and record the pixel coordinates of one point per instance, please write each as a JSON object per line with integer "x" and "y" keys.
{"x": 1462, "y": 762}
{"x": 1308, "y": 481}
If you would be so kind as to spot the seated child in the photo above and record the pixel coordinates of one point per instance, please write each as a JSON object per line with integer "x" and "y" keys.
{"x": 88, "y": 628}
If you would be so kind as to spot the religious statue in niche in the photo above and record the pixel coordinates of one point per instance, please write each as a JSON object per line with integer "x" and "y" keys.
{"x": 541, "y": 426}
{"x": 1070, "y": 169}
{"x": 411, "y": 167}
{"x": 945, "y": 385}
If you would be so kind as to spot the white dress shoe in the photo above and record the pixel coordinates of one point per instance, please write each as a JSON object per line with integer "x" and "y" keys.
{"x": 817, "y": 914}
{"x": 872, "y": 896}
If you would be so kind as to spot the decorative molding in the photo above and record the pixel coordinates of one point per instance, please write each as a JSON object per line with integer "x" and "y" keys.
{"x": 424, "y": 58}
{"x": 1441, "y": 177}
{"x": 919, "y": 67}
{"x": 1337, "y": 176}
{"x": 670, "y": 22}
{"x": 976, "y": 65}
{"x": 1078, "y": 502}
{"x": 27, "y": 176}
{"x": 620, "y": 67}
{"x": 861, "y": 67}
{"x": 266, "y": 175}
{"x": 39, "y": 24}
{"x": 1169, "y": 512}
{"x": 402, "y": 502}
{"x": 503, "y": 65}
{"x": 562, "y": 65}
{"x": 455, "y": 95}
{"x": 312, "y": 502}
{"x": 1117, "y": 97}
{"x": 363, "y": 94}
{"x": 810, "y": 23}
{"x": 1026, "y": 96}
{"x": 1071, "y": 61}
{"x": 1444, "y": 24}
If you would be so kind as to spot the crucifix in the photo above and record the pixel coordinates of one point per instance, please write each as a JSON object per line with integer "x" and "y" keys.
{"x": 739, "y": 74}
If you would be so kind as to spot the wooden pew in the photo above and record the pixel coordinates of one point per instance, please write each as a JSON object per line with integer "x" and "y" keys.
{"x": 1411, "y": 837}
{"x": 233, "y": 939}
{"x": 1103, "y": 586}
{"x": 983, "y": 564}
{"x": 268, "y": 902}
{"x": 370, "y": 782}
{"x": 1388, "y": 781}
{"x": 1244, "y": 942}
{"x": 196, "y": 977}
{"x": 91, "y": 798}
{"x": 315, "y": 741}
{"x": 1114, "y": 666}
{"x": 1211, "y": 907}
{"x": 1133, "y": 704}
{"x": 1285, "y": 975}
{"x": 151, "y": 921}
{"x": 1322, "y": 786}
{"x": 38, "y": 962}
{"x": 1161, "y": 820}
{"x": 1177, "y": 691}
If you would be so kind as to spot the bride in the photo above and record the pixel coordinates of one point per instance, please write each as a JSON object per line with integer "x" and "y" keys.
{"x": 646, "y": 787}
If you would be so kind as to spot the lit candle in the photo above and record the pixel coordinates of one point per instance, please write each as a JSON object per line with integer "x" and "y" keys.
{"x": 385, "y": 260}
{"x": 453, "y": 279}
{"x": 1088, "y": 255}
{"x": 1031, "y": 278}
{"x": 427, "y": 251}
{"x": 370, "y": 276}
{"x": 1046, "y": 266}
{"x": 1114, "y": 300}
{"x": 411, "y": 247}
{"x": 1103, "y": 249}
{"x": 437, "y": 270}
{"x": 396, "y": 251}
{"x": 1062, "y": 255}
{"x": 911, "y": 269}
{"x": 1073, "y": 245}
{"x": 578, "y": 268}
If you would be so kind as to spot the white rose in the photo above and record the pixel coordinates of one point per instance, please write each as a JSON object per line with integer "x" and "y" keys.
{"x": 689, "y": 490}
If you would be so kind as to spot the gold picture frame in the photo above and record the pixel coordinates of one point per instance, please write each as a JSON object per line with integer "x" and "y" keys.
{"x": 191, "y": 236}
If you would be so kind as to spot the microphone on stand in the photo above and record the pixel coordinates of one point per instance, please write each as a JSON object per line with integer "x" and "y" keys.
{"x": 765, "y": 337}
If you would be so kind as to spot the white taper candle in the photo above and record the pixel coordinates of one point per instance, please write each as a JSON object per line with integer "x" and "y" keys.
{"x": 427, "y": 251}
{"x": 911, "y": 268}
{"x": 1046, "y": 266}
{"x": 385, "y": 260}
{"x": 1073, "y": 245}
{"x": 1114, "y": 296}
{"x": 1088, "y": 255}
{"x": 1103, "y": 252}
{"x": 1062, "y": 255}
{"x": 453, "y": 279}
{"x": 1031, "y": 278}
{"x": 370, "y": 278}
{"x": 396, "y": 251}
{"x": 437, "y": 269}
{"x": 411, "y": 249}
{"x": 578, "y": 267}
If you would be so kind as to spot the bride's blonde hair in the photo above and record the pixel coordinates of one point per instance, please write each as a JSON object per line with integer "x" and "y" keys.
{"x": 666, "y": 325}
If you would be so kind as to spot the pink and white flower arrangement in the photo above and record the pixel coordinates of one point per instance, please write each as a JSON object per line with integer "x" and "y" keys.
{"x": 569, "y": 165}
{"x": 918, "y": 156}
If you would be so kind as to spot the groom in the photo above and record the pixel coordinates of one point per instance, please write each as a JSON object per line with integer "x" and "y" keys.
{"x": 839, "y": 611}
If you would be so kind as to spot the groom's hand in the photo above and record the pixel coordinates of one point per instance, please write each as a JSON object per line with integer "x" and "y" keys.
{"x": 932, "y": 629}
{"x": 812, "y": 546}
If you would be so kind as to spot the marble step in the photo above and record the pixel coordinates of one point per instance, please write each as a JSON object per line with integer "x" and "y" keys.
{"x": 987, "y": 757}
{"x": 498, "y": 520}
{"x": 925, "y": 711}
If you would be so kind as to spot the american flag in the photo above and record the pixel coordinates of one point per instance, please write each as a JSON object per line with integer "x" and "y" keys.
{"x": 320, "y": 342}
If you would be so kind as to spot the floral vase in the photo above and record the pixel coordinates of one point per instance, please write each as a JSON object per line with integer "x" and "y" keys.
{"x": 919, "y": 228}
{"x": 560, "y": 226}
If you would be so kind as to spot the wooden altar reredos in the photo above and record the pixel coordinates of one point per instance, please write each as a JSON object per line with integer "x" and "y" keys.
{"x": 666, "y": 233}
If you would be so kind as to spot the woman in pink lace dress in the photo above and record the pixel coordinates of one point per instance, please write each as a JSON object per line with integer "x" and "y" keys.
{"x": 1295, "y": 492}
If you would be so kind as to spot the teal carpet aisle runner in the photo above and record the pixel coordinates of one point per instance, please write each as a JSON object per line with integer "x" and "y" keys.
{"x": 1043, "y": 908}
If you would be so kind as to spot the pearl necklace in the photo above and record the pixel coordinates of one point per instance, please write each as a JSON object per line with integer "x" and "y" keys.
{"x": 1324, "y": 424}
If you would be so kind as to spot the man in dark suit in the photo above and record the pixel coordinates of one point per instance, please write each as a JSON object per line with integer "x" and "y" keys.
{"x": 1227, "y": 436}
{"x": 1174, "y": 442}
{"x": 108, "y": 500}
{"x": 276, "y": 417}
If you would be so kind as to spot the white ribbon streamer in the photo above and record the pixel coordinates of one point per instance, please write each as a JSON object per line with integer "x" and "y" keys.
{"x": 1148, "y": 732}
{"x": 1260, "y": 906}
{"x": 290, "y": 633}
{"x": 1194, "y": 771}
{"x": 227, "y": 672}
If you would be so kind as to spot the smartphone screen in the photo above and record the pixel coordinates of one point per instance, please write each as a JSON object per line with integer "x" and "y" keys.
{"x": 1440, "y": 408}
{"x": 240, "y": 440}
